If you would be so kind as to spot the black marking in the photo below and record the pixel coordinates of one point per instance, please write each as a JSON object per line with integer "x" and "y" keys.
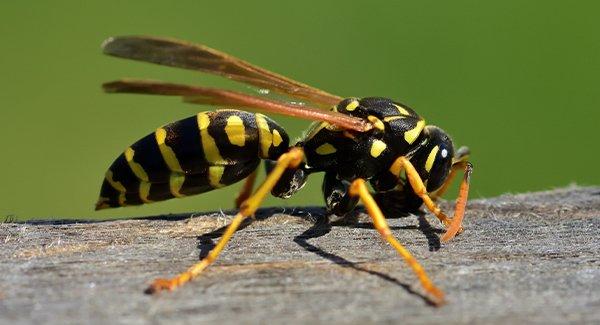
{"x": 231, "y": 152}
{"x": 148, "y": 155}
{"x": 160, "y": 192}
{"x": 196, "y": 184}
{"x": 133, "y": 199}
{"x": 109, "y": 192}
{"x": 236, "y": 172}
{"x": 124, "y": 175}
{"x": 183, "y": 137}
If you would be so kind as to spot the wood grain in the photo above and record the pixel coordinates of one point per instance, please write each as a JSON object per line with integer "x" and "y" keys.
{"x": 522, "y": 258}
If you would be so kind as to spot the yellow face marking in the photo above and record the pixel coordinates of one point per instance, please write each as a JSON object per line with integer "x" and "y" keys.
{"x": 325, "y": 149}
{"x": 214, "y": 175}
{"x": 209, "y": 146}
{"x": 264, "y": 135}
{"x": 376, "y": 122}
{"x": 277, "y": 140}
{"x": 175, "y": 183}
{"x": 136, "y": 168}
{"x": 402, "y": 110}
{"x": 411, "y": 136}
{"x": 377, "y": 148}
{"x": 166, "y": 151}
{"x": 431, "y": 158}
{"x": 116, "y": 185}
{"x": 352, "y": 105}
{"x": 235, "y": 130}
{"x": 145, "y": 191}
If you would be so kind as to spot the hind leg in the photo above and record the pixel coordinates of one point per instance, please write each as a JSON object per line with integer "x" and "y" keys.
{"x": 291, "y": 159}
{"x": 246, "y": 189}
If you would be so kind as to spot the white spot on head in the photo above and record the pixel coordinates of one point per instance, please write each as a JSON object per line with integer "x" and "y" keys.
{"x": 444, "y": 153}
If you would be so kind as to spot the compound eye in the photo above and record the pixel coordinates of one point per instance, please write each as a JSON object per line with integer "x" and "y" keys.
{"x": 438, "y": 164}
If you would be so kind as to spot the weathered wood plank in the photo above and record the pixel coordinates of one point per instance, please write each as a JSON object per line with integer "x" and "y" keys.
{"x": 528, "y": 257}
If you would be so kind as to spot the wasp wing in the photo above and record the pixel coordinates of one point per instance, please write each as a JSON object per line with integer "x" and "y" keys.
{"x": 181, "y": 54}
{"x": 213, "y": 96}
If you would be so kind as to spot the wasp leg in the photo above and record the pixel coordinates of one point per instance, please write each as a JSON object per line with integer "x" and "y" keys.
{"x": 246, "y": 189}
{"x": 359, "y": 189}
{"x": 419, "y": 188}
{"x": 461, "y": 203}
{"x": 291, "y": 159}
{"x": 459, "y": 163}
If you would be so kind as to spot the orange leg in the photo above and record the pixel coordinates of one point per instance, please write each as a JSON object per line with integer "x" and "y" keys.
{"x": 246, "y": 189}
{"x": 457, "y": 164}
{"x": 419, "y": 188}
{"x": 359, "y": 188}
{"x": 288, "y": 160}
{"x": 461, "y": 203}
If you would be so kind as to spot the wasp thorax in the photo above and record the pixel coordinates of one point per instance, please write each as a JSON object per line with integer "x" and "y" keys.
{"x": 433, "y": 160}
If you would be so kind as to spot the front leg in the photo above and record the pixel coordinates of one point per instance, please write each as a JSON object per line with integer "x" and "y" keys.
{"x": 453, "y": 225}
{"x": 359, "y": 189}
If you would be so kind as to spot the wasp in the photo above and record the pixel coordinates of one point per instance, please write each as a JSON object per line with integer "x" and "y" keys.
{"x": 354, "y": 141}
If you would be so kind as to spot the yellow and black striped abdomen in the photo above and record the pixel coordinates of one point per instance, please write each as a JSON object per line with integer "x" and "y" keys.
{"x": 192, "y": 156}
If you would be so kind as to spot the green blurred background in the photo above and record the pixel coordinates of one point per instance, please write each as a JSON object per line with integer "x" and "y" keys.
{"x": 517, "y": 81}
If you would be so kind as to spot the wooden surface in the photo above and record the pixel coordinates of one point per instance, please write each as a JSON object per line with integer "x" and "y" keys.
{"x": 529, "y": 257}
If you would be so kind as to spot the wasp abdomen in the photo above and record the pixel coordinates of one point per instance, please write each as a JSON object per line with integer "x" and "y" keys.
{"x": 192, "y": 156}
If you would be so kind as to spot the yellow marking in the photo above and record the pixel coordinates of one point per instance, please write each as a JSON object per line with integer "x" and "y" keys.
{"x": 392, "y": 118}
{"x": 411, "y": 136}
{"x": 264, "y": 135}
{"x": 136, "y": 168}
{"x": 352, "y": 105}
{"x": 277, "y": 139}
{"x": 326, "y": 149}
{"x": 235, "y": 130}
{"x": 214, "y": 175}
{"x": 334, "y": 108}
{"x": 376, "y": 122}
{"x": 377, "y": 148}
{"x": 402, "y": 110}
{"x": 145, "y": 191}
{"x": 116, "y": 185}
{"x": 431, "y": 158}
{"x": 209, "y": 146}
{"x": 166, "y": 151}
{"x": 175, "y": 183}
